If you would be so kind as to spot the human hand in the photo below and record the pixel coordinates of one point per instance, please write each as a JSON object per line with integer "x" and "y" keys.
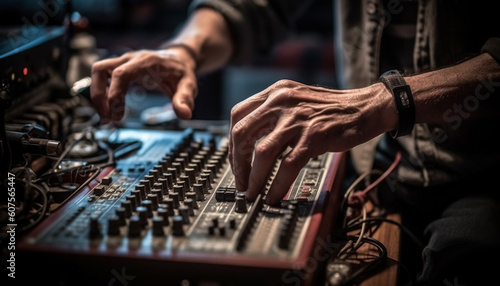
{"x": 171, "y": 70}
{"x": 308, "y": 119}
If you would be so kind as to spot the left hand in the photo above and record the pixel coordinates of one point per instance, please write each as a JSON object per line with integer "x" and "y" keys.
{"x": 171, "y": 71}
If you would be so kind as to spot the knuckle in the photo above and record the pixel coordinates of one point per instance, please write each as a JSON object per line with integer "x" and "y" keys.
{"x": 130, "y": 54}
{"x": 238, "y": 131}
{"x": 98, "y": 67}
{"x": 118, "y": 73}
{"x": 282, "y": 93}
{"x": 291, "y": 161}
{"x": 265, "y": 148}
{"x": 297, "y": 158}
{"x": 283, "y": 83}
{"x": 147, "y": 56}
{"x": 236, "y": 110}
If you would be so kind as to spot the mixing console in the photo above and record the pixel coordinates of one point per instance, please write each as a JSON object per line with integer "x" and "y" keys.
{"x": 170, "y": 214}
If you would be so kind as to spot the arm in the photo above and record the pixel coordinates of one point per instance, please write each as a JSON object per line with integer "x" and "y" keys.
{"x": 440, "y": 95}
{"x": 216, "y": 33}
{"x": 202, "y": 45}
{"x": 207, "y": 35}
{"x": 290, "y": 114}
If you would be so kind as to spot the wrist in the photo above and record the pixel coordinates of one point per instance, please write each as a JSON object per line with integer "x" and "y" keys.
{"x": 403, "y": 100}
{"x": 385, "y": 115}
{"x": 192, "y": 54}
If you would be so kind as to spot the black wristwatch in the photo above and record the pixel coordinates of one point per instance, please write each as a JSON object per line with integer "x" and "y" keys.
{"x": 403, "y": 97}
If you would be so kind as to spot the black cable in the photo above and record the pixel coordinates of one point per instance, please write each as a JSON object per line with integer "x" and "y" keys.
{"x": 65, "y": 153}
{"x": 23, "y": 177}
{"x": 360, "y": 273}
{"x": 30, "y": 211}
{"x": 111, "y": 155}
{"x": 383, "y": 219}
{"x": 341, "y": 271}
{"x": 38, "y": 214}
{"x": 83, "y": 185}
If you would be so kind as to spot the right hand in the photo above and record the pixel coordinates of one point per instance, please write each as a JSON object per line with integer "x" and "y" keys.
{"x": 172, "y": 70}
{"x": 304, "y": 121}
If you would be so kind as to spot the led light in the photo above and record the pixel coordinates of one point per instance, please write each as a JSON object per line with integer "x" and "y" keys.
{"x": 25, "y": 71}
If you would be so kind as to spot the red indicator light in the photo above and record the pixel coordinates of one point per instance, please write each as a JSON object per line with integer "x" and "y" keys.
{"x": 25, "y": 71}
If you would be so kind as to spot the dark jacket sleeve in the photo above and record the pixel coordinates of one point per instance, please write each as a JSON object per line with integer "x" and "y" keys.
{"x": 256, "y": 25}
{"x": 492, "y": 46}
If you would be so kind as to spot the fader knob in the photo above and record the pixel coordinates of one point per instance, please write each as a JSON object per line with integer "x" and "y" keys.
{"x": 164, "y": 185}
{"x": 162, "y": 211}
{"x": 134, "y": 226}
{"x": 187, "y": 180}
{"x": 127, "y": 205}
{"x": 198, "y": 189}
{"x": 143, "y": 215}
{"x": 120, "y": 213}
{"x": 241, "y": 204}
{"x": 232, "y": 223}
{"x": 174, "y": 173}
{"x": 184, "y": 213}
{"x": 142, "y": 190}
{"x": 190, "y": 205}
{"x": 170, "y": 205}
{"x": 170, "y": 180}
{"x": 182, "y": 164}
{"x": 177, "y": 225}
{"x": 149, "y": 208}
{"x": 137, "y": 194}
{"x": 151, "y": 179}
{"x": 114, "y": 225}
{"x": 175, "y": 198}
{"x": 207, "y": 178}
{"x": 222, "y": 230}
{"x": 155, "y": 175}
{"x": 159, "y": 170}
{"x": 191, "y": 174}
{"x": 177, "y": 166}
{"x": 95, "y": 228}
{"x": 179, "y": 190}
{"x": 158, "y": 226}
{"x": 154, "y": 199}
{"x": 191, "y": 195}
{"x": 133, "y": 201}
{"x": 106, "y": 180}
{"x": 195, "y": 165}
{"x": 99, "y": 190}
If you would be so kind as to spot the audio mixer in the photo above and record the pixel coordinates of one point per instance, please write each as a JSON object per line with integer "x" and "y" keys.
{"x": 169, "y": 214}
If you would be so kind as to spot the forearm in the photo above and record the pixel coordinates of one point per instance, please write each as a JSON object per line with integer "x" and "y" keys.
{"x": 465, "y": 90}
{"x": 207, "y": 35}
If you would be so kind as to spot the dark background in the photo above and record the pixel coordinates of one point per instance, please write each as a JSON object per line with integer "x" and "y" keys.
{"x": 107, "y": 28}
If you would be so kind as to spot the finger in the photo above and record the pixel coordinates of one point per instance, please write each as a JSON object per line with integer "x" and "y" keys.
{"x": 266, "y": 155}
{"x": 289, "y": 169}
{"x": 244, "y": 135}
{"x": 100, "y": 73}
{"x": 238, "y": 112}
{"x": 121, "y": 77}
{"x": 239, "y": 128}
{"x": 184, "y": 98}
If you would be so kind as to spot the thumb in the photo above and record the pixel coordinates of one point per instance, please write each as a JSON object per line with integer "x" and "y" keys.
{"x": 183, "y": 99}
